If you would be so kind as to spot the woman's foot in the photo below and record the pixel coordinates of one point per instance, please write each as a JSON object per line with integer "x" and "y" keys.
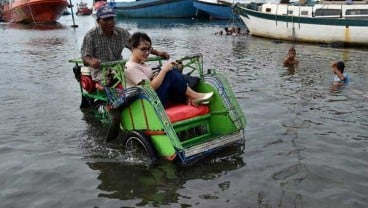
{"x": 204, "y": 99}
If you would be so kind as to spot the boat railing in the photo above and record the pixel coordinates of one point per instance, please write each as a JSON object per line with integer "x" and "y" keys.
{"x": 356, "y": 16}
{"x": 340, "y": 2}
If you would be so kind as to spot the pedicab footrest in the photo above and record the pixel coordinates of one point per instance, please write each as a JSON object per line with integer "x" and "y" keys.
{"x": 213, "y": 145}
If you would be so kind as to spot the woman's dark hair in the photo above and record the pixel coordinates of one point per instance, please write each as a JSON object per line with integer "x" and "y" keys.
{"x": 137, "y": 38}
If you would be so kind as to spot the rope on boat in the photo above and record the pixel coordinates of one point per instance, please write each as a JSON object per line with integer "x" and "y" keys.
{"x": 29, "y": 6}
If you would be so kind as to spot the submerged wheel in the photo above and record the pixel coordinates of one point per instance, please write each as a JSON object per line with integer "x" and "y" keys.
{"x": 86, "y": 102}
{"x": 140, "y": 149}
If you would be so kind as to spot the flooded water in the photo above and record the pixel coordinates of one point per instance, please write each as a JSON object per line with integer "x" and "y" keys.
{"x": 306, "y": 143}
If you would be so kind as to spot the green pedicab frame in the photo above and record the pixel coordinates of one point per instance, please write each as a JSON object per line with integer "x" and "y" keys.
{"x": 143, "y": 115}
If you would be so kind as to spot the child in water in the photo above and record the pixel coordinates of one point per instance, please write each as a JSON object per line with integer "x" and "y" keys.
{"x": 290, "y": 59}
{"x": 341, "y": 77}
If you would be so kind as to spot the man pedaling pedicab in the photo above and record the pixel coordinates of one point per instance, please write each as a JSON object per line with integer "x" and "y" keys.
{"x": 105, "y": 43}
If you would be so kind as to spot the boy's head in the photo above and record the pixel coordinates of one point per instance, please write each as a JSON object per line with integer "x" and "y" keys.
{"x": 292, "y": 49}
{"x": 292, "y": 52}
{"x": 340, "y": 66}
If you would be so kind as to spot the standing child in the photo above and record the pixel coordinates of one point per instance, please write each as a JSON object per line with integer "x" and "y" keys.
{"x": 290, "y": 59}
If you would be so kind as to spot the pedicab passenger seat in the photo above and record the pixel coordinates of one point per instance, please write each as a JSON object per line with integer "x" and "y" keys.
{"x": 175, "y": 113}
{"x": 189, "y": 122}
{"x": 181, "y": 112}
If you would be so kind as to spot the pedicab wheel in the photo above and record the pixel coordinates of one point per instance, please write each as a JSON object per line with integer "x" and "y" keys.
{"x": 140, "y": 149}
{"x": 86, "y": 102}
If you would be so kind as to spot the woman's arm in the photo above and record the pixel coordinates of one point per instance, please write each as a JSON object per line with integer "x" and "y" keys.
{"x": 157, "y": 80}
{"x": 163, "y": 54}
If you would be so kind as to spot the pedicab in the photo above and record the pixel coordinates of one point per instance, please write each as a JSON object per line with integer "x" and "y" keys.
{"x": 182, "y": 132}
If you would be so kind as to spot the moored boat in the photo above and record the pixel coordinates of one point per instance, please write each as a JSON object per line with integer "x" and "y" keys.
{"x": 216, "y": 9}
{"x": 83, "y": 9}
{"x": 32, "y": 11}
{"x": 317, "y": 23}
{"x": 154, "y": 8}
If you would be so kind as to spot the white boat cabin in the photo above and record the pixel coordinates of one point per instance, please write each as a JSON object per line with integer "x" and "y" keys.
{"x": 321, "y": 10}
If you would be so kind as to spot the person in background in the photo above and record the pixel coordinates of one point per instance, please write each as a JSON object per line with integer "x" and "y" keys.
{"x": 168, "y": 83}
{"x": 219, "y": 33}
{"x": 233, "y": 31}
{"x": 341, "y": 77}
{"x": 105, "y": 43}
{"x": 290, "y": 58}
{"x": 238, "y": 31}
{"x": 227, "y": 31}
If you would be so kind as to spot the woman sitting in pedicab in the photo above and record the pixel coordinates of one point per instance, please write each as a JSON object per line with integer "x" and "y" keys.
{"x": 169, "y": 83}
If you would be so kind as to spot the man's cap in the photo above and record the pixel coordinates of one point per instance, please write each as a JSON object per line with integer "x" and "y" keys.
{"x": 340, "y": 65}
{"x": 105, "y": 12}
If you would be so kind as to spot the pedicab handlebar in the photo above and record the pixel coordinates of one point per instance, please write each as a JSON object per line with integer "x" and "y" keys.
{"x": 156, "y": 58}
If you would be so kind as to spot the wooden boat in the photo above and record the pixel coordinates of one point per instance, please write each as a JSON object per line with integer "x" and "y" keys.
{"x": 318, "y": 23}
{"x": 83, "y": 9}
{"x": 181, "y": 132}
{"x": 216, "y": 9}
{"x": 154, "y": 8}
{"x": 32, "y": 11}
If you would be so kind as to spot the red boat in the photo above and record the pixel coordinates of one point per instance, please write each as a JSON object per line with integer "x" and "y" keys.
{"x": 32, "y": 11}
{"x": 83, "y": 9}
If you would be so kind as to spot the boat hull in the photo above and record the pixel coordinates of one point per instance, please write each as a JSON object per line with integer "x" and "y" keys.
{"x": 33, "y": 11}
{"x": 84, "y": 11}
{"x": 305, "y": 29}
{"x": 155, "y": 9}
{"x": 215, "y": 10}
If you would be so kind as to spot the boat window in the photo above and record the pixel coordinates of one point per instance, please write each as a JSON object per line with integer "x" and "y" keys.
{"x": 356, "y": 11}
{"x": 290, "y": 12}
{"x": 328, "y": 12}
{"x": 304, "y": 13}
{"x": 268, "y": 9}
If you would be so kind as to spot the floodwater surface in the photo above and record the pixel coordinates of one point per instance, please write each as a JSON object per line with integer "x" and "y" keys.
{"x": 306, "y": 142}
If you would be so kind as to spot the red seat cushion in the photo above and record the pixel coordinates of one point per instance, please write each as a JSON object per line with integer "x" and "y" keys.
{"x": 182, "y": 112}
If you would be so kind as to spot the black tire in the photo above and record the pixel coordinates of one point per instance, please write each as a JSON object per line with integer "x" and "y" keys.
{"x": 86, "y": 102}
{"x": 140, "y": 148}
{"x": 114, "y": 126}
